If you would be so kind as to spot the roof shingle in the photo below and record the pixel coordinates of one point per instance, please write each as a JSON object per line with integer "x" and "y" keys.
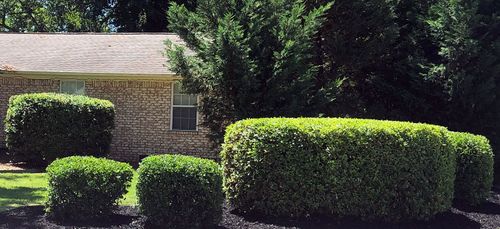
{"x": 131, "y": 53}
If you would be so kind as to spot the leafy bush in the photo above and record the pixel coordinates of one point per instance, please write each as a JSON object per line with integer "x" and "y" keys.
{"x": 474, "y": 167}
{"x": 180, "y": 191}
{"x": 42, "y": 127}
{"x": 83, "y": 187}
{"x": 381, "y": 170}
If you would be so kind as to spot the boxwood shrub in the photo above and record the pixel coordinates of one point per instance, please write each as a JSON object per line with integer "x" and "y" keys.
{"x": 42, "y": 127}
{"x": 180, "y": 191}
{"x": 380, "y": 170}
{"x": 474, "y": 167}
{"x": 84, "y": 187}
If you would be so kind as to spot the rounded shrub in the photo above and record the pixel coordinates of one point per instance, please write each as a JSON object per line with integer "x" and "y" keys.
{"x": 474, "y": 177}
{"x": 380, "y": 170}
{"x": 180, "y": 191}
{"x": 44, "y": 126}
{"x": 83, "y": 187}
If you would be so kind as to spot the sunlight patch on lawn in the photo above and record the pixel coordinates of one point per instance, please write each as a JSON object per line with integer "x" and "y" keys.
{"x": 26, "y": 189}
{"x": 130, "y": 198}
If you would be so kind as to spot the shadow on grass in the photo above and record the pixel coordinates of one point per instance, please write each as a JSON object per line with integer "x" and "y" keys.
{"x": 22, "y": 171}
{"x": 18, "y": 196}
{"x": 18, "y": 176}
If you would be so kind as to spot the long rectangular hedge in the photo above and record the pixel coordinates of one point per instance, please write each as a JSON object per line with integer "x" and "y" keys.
{"x": 382, "y": 170}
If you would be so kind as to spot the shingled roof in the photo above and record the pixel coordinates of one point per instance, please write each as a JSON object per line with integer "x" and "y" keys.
{"x": 119, "y": 53}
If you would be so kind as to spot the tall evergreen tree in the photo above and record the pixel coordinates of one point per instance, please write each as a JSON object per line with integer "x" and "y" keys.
{"x": 378, "y": 48}
{"x": 254, "y": 58}
{"x": 468, "y": 35}
{"x": 354, "y": 45}
{"x": 431, "y": 61}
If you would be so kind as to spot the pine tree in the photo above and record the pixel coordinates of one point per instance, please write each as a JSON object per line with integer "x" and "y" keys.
{"x": 253, "y": 58}
{"x": 354, "y": 47}
{"x": 377, "y": 48}
{"x": 468, "y": 35}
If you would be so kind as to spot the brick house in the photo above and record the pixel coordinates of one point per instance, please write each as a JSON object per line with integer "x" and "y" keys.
{"x": 152, "y": 114}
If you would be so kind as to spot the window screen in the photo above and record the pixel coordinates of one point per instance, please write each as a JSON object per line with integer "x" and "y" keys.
{"x": 73, "y": 87}
{"x": 184, "y": 109}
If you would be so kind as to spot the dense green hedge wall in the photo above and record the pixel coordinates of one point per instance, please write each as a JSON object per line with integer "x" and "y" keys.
{"x": 381, "y": 170}
{"x": 42, "y": 127}
{"x": 474, "y": 167}
{"x": 177, "y": 191}
{"x": 83, "y": 187}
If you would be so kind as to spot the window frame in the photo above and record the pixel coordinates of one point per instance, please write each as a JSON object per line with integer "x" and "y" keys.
{"x": 172, "y": 105}
{"x": 72, "y": 80}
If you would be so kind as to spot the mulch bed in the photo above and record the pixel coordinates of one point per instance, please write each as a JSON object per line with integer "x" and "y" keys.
{"x": 486, "y": 215}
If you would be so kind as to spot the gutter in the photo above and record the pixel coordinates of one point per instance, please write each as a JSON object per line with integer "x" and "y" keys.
{"x": 88, "y": 76}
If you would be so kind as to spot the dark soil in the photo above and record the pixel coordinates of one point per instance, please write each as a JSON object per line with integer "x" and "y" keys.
{"x": 33, "y": 217}
{"x": 486, "y": 215}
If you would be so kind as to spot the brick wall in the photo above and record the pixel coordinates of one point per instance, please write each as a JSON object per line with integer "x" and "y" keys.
{"x": 142, "y": 124}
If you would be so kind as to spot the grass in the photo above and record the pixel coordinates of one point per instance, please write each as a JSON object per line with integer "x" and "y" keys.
{"x": 26, "y": 189}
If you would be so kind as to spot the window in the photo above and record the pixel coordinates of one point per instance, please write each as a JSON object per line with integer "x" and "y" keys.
{"x": 184, "y": 109}
{"x": 73, "y": 87}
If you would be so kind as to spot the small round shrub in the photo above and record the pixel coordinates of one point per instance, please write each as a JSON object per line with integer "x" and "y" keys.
{"x": 83, "y": 187}
{"x": 376, "y": 170}
{"x": 474, "y": 167}
{"x": 42, "y": 127}
{"x": 180, "y": 191}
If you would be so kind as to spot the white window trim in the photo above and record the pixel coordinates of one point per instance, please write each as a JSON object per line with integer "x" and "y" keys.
{"x": 84, "y": 85}
{"x": 172, "y": 110}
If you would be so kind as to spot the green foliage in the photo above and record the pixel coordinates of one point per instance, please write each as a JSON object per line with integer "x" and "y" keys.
{"x": 143, "y": 16}
{"x": 474, "y": 167}
{"x": 251, "y": 57}
{"x": 180, "y": 191}
{"x": 85, "y": 15}
{"x": 22, "y": 189}
{"x": 440, "y": 57}
{"x": 356, "y": 44}
{"x": 27, "y": 189}
{"x": 42, "y": 127}
{"x": 85, "y": 187}
{"x": 380, "y": 59}
{"x": 54, "y": 16}
{"x": 380, "y": 170}
{"x": 468, "y": 41}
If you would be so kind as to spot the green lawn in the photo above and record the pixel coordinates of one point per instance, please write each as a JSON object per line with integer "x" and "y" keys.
{"x": 23, "y": 189}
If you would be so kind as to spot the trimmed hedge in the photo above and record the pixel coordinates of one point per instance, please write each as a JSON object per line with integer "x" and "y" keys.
{"x": 381, "y": 170}
{"x": 83, "y": 187}
{"x": 474, "y": 167}
{"x": 180, "y": 191}
{"x": 42, "y": 127}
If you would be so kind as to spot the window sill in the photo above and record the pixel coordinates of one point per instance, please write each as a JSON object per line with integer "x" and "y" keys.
{"x": 184, "y": 131}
